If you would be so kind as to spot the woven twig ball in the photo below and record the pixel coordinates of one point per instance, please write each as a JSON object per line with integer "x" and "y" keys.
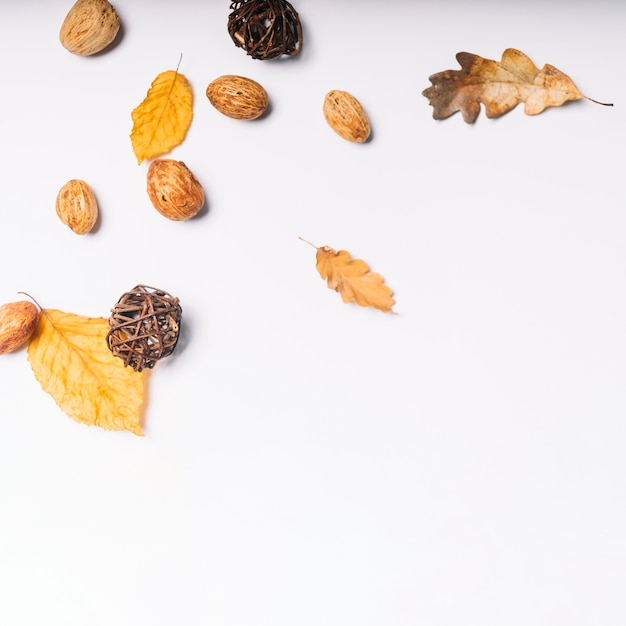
{"x": 265, "y": 29}
{"x": 144, "y": 327}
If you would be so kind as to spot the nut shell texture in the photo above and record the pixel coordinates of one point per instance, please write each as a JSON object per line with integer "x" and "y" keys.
{"x": 345, "y": 115}
{"x": 237, "y": 97}
{"x": 89, "y": 27}
{"x": 77, "y": 207}
{"x": 173, "y": 189}
{"x": 17, "y": 323}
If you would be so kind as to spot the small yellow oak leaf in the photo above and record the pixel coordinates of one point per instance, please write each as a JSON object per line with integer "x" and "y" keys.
{"x": 72, "y": 362}
{"x": 161, "y": 121}
{"x": 353, "y": 279}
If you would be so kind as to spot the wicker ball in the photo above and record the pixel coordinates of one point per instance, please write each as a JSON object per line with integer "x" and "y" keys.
{"x": 144, "y": 327}
{"x": 265, "y": 29}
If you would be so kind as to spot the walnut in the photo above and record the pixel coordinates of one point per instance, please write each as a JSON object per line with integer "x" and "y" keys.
{"x": 238, "y": 97}
{"x": 173, "y": 189}
{"x": 17, "y": 323}
{"x": 345, "y": 115}
{"x": 77, "y": 207}
{"x": 89, "y": 27}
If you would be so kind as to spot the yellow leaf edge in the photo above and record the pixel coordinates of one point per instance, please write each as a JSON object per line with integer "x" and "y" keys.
{"x": 134, "y": 426}
{"x": 146, "y": 154}
{"x": 327, "y": 279}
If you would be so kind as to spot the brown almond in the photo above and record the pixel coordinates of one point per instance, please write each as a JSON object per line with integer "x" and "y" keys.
{"x": 17, "y": 323}
{"x": 238, "y": 97}
{"x": 89, "y": 27}
{"x": 345, "y": 115}
{"x": 173, "y": 189}
{"x": 77, "y": 207}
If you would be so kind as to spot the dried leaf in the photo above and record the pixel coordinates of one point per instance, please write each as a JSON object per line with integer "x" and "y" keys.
{"x": 70, "y": 358}
{"x": 161, "y": 121}
{"x": 353, "y": 279}
{"x": 500, "y": 86}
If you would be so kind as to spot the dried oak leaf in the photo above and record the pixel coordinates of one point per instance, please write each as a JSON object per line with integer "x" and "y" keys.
{"x": 161, "y": 121}
{"x": 353, "y": 279}
{"x": 70, "y": 358}
{"x": 500, "y": 86}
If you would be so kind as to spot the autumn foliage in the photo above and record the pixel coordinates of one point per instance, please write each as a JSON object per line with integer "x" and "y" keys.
{"x": 499, "y": 86}
{"x": 353, "y": 279}
{"x": 70, "y": 359}
{"x": 70, "y": 354}
{"x": 161, "y": 121}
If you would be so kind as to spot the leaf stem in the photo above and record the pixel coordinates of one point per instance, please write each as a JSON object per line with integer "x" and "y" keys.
{"x": 306, "y": 241}
{"x": 23, "y": 293}
{"x": 604, "y": 104}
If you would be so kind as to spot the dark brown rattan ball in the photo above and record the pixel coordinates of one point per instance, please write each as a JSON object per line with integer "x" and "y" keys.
{"x": 144, "y": 327}
{"x": 265, "y": 29}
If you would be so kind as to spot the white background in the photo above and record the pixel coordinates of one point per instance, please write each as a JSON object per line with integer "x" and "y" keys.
{"x": 308, "y": 462}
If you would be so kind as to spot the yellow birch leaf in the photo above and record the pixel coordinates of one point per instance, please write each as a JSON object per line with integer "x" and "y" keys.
{"x": 161, "y": 121}
{"x": 353, "y": 279}
{"x": 72, "y": 362}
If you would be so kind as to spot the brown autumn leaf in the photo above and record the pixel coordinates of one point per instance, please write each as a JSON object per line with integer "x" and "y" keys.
{"x": 70, "y": 358}
{"x": 500, "y": 86}
{"x": 161, "y": 121}
{"x": 353, "y": 279}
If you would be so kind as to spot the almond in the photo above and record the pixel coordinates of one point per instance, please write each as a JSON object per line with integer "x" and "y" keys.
{"x": 346, "y": 116}
{"x": 77, "y": 207}
{"x": 89, "y": 27}
{"x": 237, "y": 97}
{"x": 173, "y": 189}
{"x": 17, "y": 323}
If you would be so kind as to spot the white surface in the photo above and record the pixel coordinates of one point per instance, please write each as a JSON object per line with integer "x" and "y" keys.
{"x": 307, "y": 462}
